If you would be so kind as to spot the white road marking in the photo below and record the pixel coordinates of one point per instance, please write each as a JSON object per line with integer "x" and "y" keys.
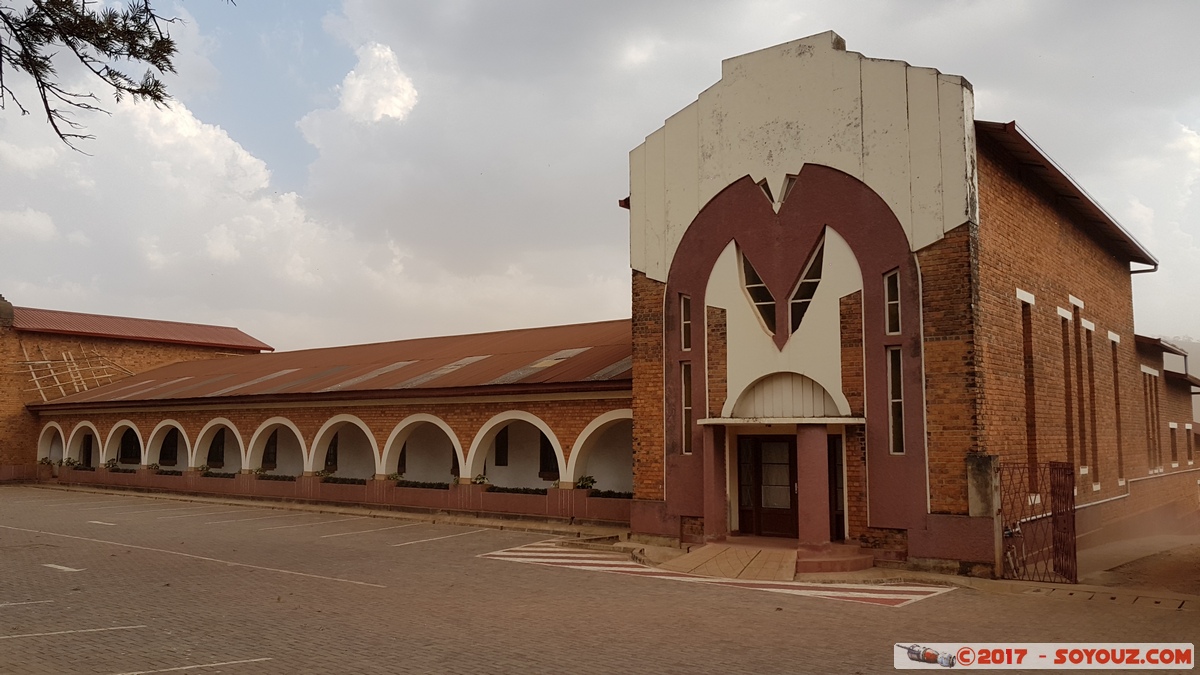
{"x": 99, "y": 522}
{"x": 323, "y": 522}
{"x": 69, "y": 632}
{"x": 160, "y": 509}
{"x": 205, "y": 513}
{"x": 422, "y": 541}
{"x": 202, "y": 665}
{"x": 31, "y": 602}
{"x": 106, "y": 501}
{"x": 189, "y": 555}
{"x": 60, "y": 568}
{"x": 378, "y": 529}
{"x": 116, "y": 506}
{"x": 242, "y": 520}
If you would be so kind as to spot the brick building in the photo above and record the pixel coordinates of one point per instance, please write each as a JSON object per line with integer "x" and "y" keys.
{"x": 859, "y": 315}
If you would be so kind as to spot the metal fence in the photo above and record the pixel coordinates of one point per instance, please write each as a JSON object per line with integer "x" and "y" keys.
{"x": 1038, "y": 512}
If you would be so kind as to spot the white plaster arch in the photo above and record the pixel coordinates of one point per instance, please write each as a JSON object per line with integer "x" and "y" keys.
{"x": 114, "y": 438}
{"x": 483, "y": 441}
{"x": 153, "y": 447}
{"x": 780, "y": 387}
{"x": 400, "y": 434}
{"x": 321, "y": 440}
{"x": 205, "y": 437}
{"x": 77, "y": 438}
{"x": 46, "y": 441}
{"x": 258, "y": 441}
{"x": 593, "y": 429}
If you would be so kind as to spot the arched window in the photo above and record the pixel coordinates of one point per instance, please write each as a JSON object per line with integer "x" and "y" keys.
{"x": 131, "y": 451}
{"x": 216, "y": 450}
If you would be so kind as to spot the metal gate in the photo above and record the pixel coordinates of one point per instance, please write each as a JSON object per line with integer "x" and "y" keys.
{"x": 1038, "y": 513}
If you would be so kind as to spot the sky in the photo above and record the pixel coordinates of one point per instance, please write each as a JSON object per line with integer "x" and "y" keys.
{"x": 335, "y": 173}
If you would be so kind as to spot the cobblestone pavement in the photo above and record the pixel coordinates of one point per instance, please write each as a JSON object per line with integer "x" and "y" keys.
{"x": 93, "y": 583}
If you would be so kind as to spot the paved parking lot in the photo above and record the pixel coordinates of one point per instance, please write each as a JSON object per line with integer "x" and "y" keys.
{"x": 107, "y": 583}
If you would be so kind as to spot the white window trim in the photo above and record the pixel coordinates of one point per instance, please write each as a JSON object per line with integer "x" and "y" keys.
{"x": 1172, "y": 425}
{"x": 1026, "y": 297}
{"x": 1066, "y": 314}
{"x": 1113, "y": 337}
{"x": 1149, "y": 371}
{"x": 1095, "y": 487}
{"x": 1075, "y": 301}
{"x": 1083, "y": 470}
{"x": 1087, "y": 325}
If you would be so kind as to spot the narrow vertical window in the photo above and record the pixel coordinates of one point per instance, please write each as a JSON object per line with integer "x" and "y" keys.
{"x": 270, "y": 458}
{"x": 686, "y": 381}
{"x": 500, "y": 457}
{"x": 1091, "y": 381}
{"x": 1079, "y": 391}
{"x": 1031, "y": 447}
{"x": 168, "y": 454}
{"x": 1158, "y": 453}
{"x": 1174, "y": 448}
{"x": 891, "y": 289}
{"x": 809, "y": 282}
{"x": 547, "y": 459}
{"x": 685, "y": 321}
{"x": 1067, "y": 394}
{"x": 331, "y": 455}
{"x": 1191, "y": 447}
{"x": 216, "y": 450}
{"x": 1116, "y": 370}
{"x": 760, "y": 295}
{"x": 895, "y": 400}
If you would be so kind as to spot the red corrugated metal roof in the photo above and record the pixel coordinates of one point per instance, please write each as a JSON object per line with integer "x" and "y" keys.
{"x": 126, "y": 328}
{"x": 589, "y": 356}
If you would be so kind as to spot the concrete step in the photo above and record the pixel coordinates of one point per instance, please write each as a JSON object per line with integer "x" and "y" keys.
{"x": 834, "y": 558}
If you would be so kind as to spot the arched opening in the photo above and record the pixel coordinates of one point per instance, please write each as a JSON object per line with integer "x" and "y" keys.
{"x": 343, "y": 449}
{"x": 427, "y": 456}
{"x": 520, "y": 455}
{"x": 787, "y": 395}
{"x": 168, "y": 447}
{"x": 607, "y": 456}
{"x": 51, "y": 445}
{"x": 219, "y": 447}
{"x": 84, "y": 448}
{"x": 124, "y": 445}
{"x": 276, "y": 449}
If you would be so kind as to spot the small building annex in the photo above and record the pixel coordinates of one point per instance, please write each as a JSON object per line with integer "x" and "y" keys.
{"x": 858, "y": 315}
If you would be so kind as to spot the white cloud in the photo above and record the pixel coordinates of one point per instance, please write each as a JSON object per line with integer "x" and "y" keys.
{"x": 377, "y": 88}
{"x": 27, "y": 224}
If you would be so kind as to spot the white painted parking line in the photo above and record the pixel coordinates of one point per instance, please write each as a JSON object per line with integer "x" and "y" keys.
{"x": 205, "y": 513}
{"x": 378, "y": 529}
{"x": 117, "y": 506}
{"x": 60, "y": 568}
{"x": 201, "y": 665}
{"x": 30, "y": 602}
{"x": 323, "y": 522}
{"x": 422, "y": 541}
{"x": 69, "y": 632}
{"x": 99, "y": 522}
{"x": 105, "y": 501}
{"x": 242, "y": 520}
{"x": 189, "y": 555}
{"x": 161, "y": 510}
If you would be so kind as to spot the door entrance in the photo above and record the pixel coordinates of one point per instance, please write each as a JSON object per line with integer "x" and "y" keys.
{"x": 767, "y": 486}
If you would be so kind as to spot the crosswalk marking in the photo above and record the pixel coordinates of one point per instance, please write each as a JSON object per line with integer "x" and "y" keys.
{"x": 548, "y": 553}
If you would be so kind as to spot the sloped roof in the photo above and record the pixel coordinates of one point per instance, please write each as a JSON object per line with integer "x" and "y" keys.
{"x": 1098, "y": 223}
{"x": 1159, "y": 344}
{"x": 590, "y": 356}
{"x": 126, "y": 328}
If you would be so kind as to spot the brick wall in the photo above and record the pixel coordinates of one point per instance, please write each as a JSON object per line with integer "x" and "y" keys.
{"x": 648, "y": 435}
{"x": 717, "y": 346}
{"x": 18, "y": 443}
{"x": 952, "y": 385}
{"x": 1174, "y": 406}
{"x": 853, "y": 385}
{"x": 1027, "y": 241}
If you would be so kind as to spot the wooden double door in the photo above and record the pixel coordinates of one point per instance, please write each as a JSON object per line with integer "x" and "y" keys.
{"x": 768, "y": 499}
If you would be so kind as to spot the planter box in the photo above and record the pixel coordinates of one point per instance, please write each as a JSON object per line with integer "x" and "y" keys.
{"x": 275, "y": 488}
{"x": 340, "y": 492}
{"x": 421, "y": 497}
{"x": 502, "y": 502}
